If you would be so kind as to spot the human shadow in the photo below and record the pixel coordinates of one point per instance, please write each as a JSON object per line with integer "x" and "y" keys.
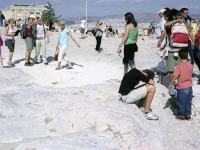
{"x": 12, "y": 66}
{"x": 171, "y": 103}
{"x": 73, "y": 64}
{"x": 50, "y": 59}
{"x": 18, "y": 61}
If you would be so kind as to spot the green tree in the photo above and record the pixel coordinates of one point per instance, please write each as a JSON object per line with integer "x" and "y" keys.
{"x": 49, "y": 14}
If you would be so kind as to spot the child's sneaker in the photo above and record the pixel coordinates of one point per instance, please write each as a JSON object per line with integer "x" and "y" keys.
{"x": 187, "y": 117}
{"x": 151, "y": 116}
{"x": 180, "y": 117}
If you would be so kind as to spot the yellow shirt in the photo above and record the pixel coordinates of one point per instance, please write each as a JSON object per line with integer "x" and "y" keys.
{"x": 194, "y": 30}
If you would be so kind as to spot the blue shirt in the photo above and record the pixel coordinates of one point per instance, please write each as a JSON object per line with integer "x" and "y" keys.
{"x": 63, "y": 35}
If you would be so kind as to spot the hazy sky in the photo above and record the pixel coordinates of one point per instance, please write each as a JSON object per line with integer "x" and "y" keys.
{"x": 76, "y": 8}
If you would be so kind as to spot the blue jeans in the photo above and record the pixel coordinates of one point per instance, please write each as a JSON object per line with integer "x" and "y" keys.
{"x": 190, "y": 51}
{"x": 197, "y": 56}
{"x": 184, "y": 101}
{"x": 1, "y": 22}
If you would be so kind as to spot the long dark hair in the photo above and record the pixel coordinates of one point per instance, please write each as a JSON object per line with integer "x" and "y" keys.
{"x": 130, "y": 19}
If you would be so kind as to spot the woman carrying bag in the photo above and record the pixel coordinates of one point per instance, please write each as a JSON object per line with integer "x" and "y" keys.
{"x": 64, "y": 34}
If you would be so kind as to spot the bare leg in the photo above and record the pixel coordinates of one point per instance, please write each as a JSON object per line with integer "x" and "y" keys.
{"x": 149, "y": 97}
{"x": 58, "y": 67}
{"x": 170, "y": 76}
{"x": 27, "y": 56}
{"x": 161, "y": 74}
{"x": 125, "y": 68}
{"x": 69, "y": 65}
{"x": 10, "y": 57}
{"x": 1, "y": 61}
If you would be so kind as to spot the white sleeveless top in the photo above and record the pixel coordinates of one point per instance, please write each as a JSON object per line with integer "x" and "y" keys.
{"x": 10, "y": 31}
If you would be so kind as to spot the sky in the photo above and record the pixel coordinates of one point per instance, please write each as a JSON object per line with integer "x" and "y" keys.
{"x": 77, "y": 8}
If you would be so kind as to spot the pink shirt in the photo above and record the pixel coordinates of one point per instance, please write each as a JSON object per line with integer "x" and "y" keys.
{"x": 184, "y": 73}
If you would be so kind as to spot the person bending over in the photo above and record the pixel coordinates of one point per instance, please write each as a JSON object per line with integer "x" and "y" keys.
{"x": 145, "y": 93}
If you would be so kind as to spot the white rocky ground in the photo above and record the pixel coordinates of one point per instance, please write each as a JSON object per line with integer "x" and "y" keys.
{"x": 44, "y": 109}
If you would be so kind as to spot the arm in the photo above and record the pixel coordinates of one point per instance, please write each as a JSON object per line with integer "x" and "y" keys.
{"x": 167, "y": 24}
{"x": 171, "y": 83}
{"x": 47, "y": 34}
{"x": 196, "y": 21}
{"x": 161, "y": 38}
{"x": 124, "y": 38}
{"x": 58, "y": 43}
{"x": 69, "y": 33}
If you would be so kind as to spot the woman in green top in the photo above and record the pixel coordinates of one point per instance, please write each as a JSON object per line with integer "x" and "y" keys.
{"x": 129, "y": 41}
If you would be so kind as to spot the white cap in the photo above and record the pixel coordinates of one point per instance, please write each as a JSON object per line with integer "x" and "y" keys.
{"x": 32, "y": 16}
{"x": 162, "y": 11}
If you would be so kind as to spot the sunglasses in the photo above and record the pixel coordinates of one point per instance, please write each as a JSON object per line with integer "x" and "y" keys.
{"x": 125, "y": 18}
{"x": 62, "y": 24}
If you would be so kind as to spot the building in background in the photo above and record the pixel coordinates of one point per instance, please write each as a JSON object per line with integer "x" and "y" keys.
{"x": 21, "y": 11}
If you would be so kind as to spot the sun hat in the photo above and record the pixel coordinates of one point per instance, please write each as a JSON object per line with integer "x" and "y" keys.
{"x": 161, "y": 11}
{"x": 32, "y": 16}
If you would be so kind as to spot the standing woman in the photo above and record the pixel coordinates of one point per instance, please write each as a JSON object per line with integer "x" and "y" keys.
{"x": 10, "y": 41}
{"x": 98, "y": 35}
{"x": 129, "y": 41}
{"x": 64, "y": 34}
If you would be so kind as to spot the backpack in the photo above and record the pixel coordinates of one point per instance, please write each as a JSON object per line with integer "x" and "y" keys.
{"x": 179, "y": 36}
{"x": 93, "y": 32}
{"x": 23, "y": 31}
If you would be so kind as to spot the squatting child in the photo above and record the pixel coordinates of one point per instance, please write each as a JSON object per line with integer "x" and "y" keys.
{"x": 183, "y": 73}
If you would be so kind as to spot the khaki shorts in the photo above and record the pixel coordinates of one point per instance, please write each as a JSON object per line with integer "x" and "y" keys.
{"x": 173, "y": 61}
{"x": 82, "y": 30}
{"x": 29, "y": 44}
{"x": 135, "y": 95}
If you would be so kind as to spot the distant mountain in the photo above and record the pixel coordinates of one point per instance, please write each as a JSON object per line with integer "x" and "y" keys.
{"x": 140, "y": 18}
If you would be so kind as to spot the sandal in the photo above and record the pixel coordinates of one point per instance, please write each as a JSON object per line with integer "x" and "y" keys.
{"x": 70, "y": 67}
{"x": 57, "y": 68}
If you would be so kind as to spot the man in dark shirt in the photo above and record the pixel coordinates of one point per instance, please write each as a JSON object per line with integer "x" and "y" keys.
{"x": 129, "y": 93}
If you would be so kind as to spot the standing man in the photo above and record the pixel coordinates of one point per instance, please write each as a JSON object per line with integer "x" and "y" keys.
{"x": 2, "y": 17}
{"x": 82, "y": 21}
{"x": 41, "y": 33}
{"x": 160, "y": 35}
{"x": 184, "y": 12}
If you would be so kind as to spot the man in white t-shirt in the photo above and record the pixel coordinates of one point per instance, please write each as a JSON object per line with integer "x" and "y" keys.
{"x": 160, "y": 33}
{"x": 41, "y": 34}
{"x": 83, "y": 22}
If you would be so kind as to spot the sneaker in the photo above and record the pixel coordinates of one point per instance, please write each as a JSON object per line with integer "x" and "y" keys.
{"x": 151, "y": 116}
{"x": 172, "y": 91}
{"x": 10, "y": 63}
{"x": 180, "y": 117}
{"x": 28, "y": 64}
{"x": 142, "y": 109}
{"x": 187, "y": 117}
{"x": 46, "y": 63}
{"x": 193, "y": 94}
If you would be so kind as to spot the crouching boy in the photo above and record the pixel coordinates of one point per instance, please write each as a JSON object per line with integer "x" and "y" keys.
{"x": 183, "y": 74}
{"x": 145, "y": 94}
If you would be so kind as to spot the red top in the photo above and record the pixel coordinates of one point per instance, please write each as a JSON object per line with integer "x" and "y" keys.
{"x": 29, "y": 32}
{"x": 184, "y": 73}
{"x": 197, "y": 36}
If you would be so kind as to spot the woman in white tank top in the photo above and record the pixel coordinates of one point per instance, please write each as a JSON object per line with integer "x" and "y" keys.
{"x": 10, "y": 42}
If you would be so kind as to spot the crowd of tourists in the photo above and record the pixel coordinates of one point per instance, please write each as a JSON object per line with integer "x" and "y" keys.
{"x": 173, "y": 49}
